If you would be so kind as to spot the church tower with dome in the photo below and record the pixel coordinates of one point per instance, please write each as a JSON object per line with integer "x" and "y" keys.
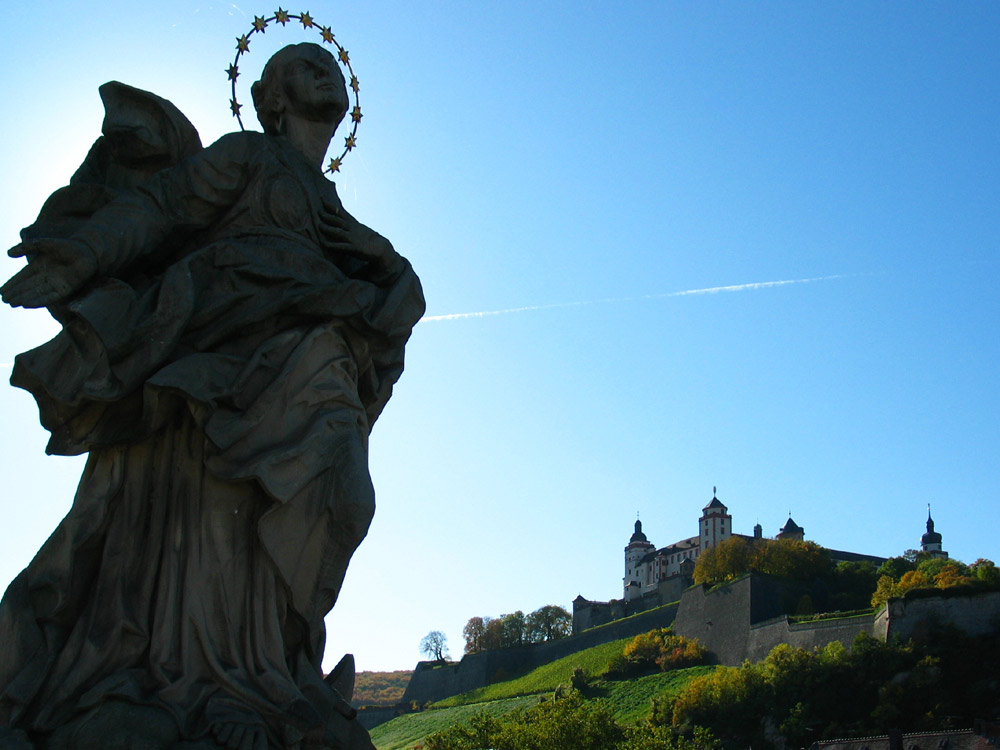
{"x": 930, "y": 542}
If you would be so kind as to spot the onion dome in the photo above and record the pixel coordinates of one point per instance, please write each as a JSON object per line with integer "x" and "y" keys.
{"x": 931, "y": 537}
{"x": 638, "y": 536}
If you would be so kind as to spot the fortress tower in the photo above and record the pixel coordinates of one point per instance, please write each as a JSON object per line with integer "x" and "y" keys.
{"x": 638, "y": 547}
{"x": 715, "y": 525}
{"x": 791, "y": 530}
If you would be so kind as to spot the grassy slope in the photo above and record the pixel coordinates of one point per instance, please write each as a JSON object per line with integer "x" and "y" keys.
{"x": 548, "y": 677}
{"x": 629, "y": 698}
{"x": 404, "y": 731}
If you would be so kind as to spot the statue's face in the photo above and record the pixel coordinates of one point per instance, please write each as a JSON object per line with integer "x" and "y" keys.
{"x": 314, "y": 86}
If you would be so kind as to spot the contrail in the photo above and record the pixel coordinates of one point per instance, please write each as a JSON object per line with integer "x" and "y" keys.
{"x": 663, "y": 295}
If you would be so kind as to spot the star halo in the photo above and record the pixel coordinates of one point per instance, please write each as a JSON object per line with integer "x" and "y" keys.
{"x": 282, "y": 17}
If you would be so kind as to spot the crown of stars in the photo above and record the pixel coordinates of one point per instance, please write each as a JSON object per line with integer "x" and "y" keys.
{"x": 282, "y": 17}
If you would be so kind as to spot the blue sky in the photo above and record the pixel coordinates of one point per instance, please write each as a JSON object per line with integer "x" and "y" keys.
{"x": 589, "y": 161}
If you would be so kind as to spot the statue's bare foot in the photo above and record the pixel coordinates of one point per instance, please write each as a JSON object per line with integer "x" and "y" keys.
{"x": 238, "y": 736}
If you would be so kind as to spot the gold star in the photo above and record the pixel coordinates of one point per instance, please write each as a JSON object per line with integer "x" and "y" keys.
{"x": 350, "y": 141}
{"x": 343, "y": 56}
{"x": 356, "y": 113}
{"x": 281, "y": 16}
{"x": 306, "y": 19}
{"x": 334, "y": 165}
{"x": 354, "y": 83}
{"x": 242, "y": 43}
{"x": 259, "y": 24}
{"x": 326, "y": 33}
{"x": 233, "y": 72}
{"x": 235, "y": 106}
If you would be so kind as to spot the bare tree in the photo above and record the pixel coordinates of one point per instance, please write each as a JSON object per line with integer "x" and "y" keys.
{"x": 435, "y": 645}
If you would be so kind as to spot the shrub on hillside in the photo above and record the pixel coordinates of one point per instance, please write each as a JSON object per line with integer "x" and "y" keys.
{"x": 658, "y": 649}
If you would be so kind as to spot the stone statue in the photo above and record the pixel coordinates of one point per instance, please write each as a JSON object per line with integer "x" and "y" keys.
{"x": 230, "y": 334}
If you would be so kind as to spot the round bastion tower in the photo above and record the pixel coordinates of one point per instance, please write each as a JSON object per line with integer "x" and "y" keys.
{"x": 638, "y": 547}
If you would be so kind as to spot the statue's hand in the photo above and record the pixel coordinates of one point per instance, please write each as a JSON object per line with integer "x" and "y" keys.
{"x": 342, "y": 233}
{"x": 57, "y": 268}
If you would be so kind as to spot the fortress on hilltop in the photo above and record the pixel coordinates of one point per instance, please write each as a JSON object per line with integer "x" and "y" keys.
{"x": 736, "y": 621}
{"x": 656, "y": 576}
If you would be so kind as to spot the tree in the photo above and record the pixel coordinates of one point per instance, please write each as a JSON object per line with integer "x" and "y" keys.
{"x": 985, "y": 571}
{"x": 894, "y": 567}
{"x": 435, "y": 645}
{"x": 474, "y": 633}
{"x": 724, "y": 562}
{"x": 852, "y": 584}
{"x": 789, "y": 558}
{"x": 493, "y": 637}
{"x": 513, "y": 629}
{"x": 548, "y": 623}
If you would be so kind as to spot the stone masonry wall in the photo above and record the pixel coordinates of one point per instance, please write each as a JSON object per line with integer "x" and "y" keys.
{"x": 432, "y": 682}
{"x": 741, "y": 620}
{"x": 766, "y": 635}
{"x": 976, "y": 614}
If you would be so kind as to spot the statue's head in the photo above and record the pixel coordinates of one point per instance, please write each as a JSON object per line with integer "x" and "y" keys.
{"x": 300, "y": 79}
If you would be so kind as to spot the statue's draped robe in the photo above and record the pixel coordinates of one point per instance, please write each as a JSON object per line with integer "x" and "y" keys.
{"x": 223, "y": 374}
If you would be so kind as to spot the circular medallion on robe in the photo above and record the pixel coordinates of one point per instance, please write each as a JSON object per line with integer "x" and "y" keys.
{"x": 286, "y": 204}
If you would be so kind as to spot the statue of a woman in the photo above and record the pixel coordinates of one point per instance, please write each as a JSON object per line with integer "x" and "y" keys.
{"x": 230, "y": 335}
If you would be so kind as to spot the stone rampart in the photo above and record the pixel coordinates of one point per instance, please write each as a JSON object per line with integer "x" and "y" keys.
{"x": 808, "y": 635}
{"x": 741, "y": 620}
{"x": 976, "y": 614}
{"x": 431, "y": 681}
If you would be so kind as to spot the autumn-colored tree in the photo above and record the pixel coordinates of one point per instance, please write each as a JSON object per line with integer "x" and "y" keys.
{"x": 380, "y": 688}
{"x": 725, "y": 561}
{"x": 474, "y": 633}
{"x": 659, "y": 648}
{"x": 913, "y": 579}
{"x": 952, "y": 575}
{"x": 883, "y": 591}
{"x": 789, "y": 558}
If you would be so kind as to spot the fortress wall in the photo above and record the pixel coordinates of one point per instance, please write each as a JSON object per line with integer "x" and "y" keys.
{"x": 765, "y": 636}
{"x": 741, "y": 620}
{"x": 722, "y": 617}
{"x": 432, "y": 682}
{"x": 718, "y": 618}
{"x": 587, "y": 614}
{"x": 975, "y": 614}
{"x": 660, "y": 617}
{"x": 371, "y": 716}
